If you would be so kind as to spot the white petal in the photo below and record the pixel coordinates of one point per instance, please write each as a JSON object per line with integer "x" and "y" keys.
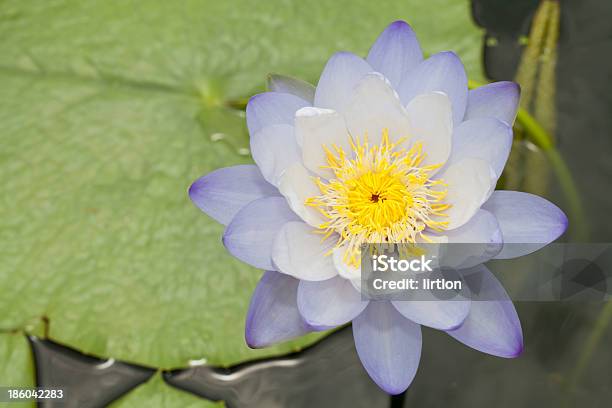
{"x": 374, "y": 107}
{"x": 347, "y": 272}
{"x": 274, "y": 149}
{"x": 340, "y": 75}
{"x": 487, "y": 139}
{"x": 300, "y": 252}
{"x": 431, "y": 122}
{"x": 316, "y": 129}
{"x": 297, "y": 185}
{"x": 470, "y": 183}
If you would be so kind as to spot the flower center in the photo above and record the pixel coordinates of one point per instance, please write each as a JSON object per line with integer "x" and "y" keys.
{"x": 379, "y": 194}
{"x": 378, "y": 199}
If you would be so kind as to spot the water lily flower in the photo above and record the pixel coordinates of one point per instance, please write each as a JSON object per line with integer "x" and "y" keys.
{"x": 391, "y": 148}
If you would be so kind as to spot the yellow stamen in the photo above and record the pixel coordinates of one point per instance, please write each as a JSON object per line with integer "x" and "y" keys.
{"x": 383, "y": 194}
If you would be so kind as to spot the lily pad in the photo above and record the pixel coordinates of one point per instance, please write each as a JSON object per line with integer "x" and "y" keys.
{"x": 156, "y": 393}
{"x": 16, "y": 367}
{"x": 109, "y": 110}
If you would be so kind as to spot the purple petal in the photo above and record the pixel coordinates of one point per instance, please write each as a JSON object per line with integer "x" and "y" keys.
{"x": 492, "y": 326}
{"x": 527, "y": 222}
{"x": 499, "y": 100}
{"x": 487, "y": 139}
{"x": 389, "y": 346}
{"x": 475, "y": 242}
{"x": 329, "y": 303}
{"x": 223, "y": 192}
{"x": 272, "y": 108}
{"x": 273, "y": 314}
{"x": 395, "y": 52}
{"x": 250, "y": 236}
{"x": 442, "y": 72}
{"x": 342, "y": 72}
{"x": 442, "y": 310}
{"x": 437, "y": 314}
{"x": 293, "y": 86}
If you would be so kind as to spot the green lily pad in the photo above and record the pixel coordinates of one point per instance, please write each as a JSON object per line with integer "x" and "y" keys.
{"x": 109, "y": 110}
{"x": 16, "y": 365}
{"x": 156, "y": 393}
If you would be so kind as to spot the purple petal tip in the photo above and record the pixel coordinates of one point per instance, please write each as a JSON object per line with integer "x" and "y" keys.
{"x": 195, "y": 189}
{"x": 450, "y": 54}
{"x": 510, "y": 85}
{"x": 519, "y": 351}
{"x": 250, "y": 342}
{"x": 191, "y": 189}
{"x": 392, "y": 389}
{"x": 506, "y": 86}
{"x": 399, "y": 25}
{"x": 563, "y": 222}
{"x": 224, "y": 237}
{"x": 341, "y": 53}
{"x": 255, "y": 97}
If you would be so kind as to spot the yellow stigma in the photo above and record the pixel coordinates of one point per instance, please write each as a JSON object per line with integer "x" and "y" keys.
{"x": 379, "y": 194}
